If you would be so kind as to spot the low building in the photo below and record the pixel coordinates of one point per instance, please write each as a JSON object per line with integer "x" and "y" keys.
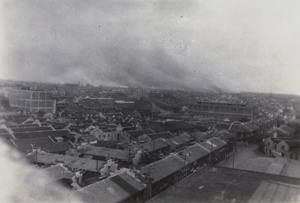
{"x": 220, "y": 184}
{"x": 134, "y": 134}
{"x": 270, "y": 191}
{"x": 71, "y": 162}
{"x": 46, "y": 144}
{"x": 289, "y": 149}
{"x": 164, "y": 172}
{"x": 103, "y": 153}
{"x": 118, "y": 188}
{"x": 179, "y": 142}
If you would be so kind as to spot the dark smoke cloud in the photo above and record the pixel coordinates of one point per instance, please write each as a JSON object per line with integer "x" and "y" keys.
{"x": 237, "y": 45}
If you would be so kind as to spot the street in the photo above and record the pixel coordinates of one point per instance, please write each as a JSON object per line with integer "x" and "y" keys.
{"x": 242, "y": 154}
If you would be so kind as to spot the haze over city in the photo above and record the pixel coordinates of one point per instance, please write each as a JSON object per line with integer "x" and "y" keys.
{"x": 232, "y": 45}
{"x": 150, "y": 101}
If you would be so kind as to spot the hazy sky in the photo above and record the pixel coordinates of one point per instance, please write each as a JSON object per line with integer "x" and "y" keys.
{"x": 237, "y": 45}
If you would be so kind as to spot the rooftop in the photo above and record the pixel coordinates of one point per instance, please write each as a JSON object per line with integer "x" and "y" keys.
{"x": 114, "y": 189}
{"x": 163, "y": 168}
{"x": 270, "y": 191}
{"x": 213, "y": 144}
{"x": 218, "y": 184}
{"x": 165, "y": 135}
{"x": 107, "y": 152}
{"x": 154, "y": 145}
{"x": 69, "y": 161}
{"x": 38, "y": 134}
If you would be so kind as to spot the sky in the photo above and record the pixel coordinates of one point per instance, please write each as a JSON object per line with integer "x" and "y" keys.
{"x": 235, "y": 45}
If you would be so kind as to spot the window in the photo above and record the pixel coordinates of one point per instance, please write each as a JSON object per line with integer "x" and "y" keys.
{"x": 291, "y": 156}
{"x": 282, "y": 154}
{"x": 282, "y": 147}
{"x": 269, "y": 144}
{"x": 42, "y": 95}
{"x": 296, "y": 157}
{"x": 35, "y": 95}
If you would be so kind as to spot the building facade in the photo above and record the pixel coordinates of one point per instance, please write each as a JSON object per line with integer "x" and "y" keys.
{"x": 68, "y": 89}
{"x": 222, "y": 111}
{"x": 31, "y": 101}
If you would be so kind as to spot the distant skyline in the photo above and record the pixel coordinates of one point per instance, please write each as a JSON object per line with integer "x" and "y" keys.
{"x": 234, "y": 45}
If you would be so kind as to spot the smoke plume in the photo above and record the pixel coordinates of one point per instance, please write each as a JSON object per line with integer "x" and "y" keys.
{"x": 21, "y": 182}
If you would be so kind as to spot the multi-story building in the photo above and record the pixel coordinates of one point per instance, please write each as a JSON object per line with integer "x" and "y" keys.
{"x": 68, "y": 89}
{"x": 31, "y": 101}
{"x": 222, "y": 111}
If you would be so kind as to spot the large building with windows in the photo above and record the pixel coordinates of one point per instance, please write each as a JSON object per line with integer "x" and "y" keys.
{"x": 31, "y": 100}
{"x": 222, "y": 110}
{"x": 68, "y": 89}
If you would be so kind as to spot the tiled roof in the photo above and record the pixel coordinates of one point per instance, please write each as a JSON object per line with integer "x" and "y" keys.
{"x": 157, "y": 127}
{"x": 193, "y": 153}
{"x": 45, "y": 144}
{"x": 38, "y": 134}
{"x": 213, "y": 144}
{"x": 6, "y": 136}
{"x": 69, "y": 161}
{"x": 115, "y": 189}
{"x": 3, "y": 130}
{"x": 154, "y": 145}
{"x": 32, "y": 129}
{"x": 24, "y": 125}
{"x": 177, "y": 126}
{"x": 58, "y": 172}
{"x": 179, "y": 140}
{"x": 137, "y": 133}
{"x": 165, "y": 135}
{"x": 287, "y": 129}
{"x": 107, "y": 152}
{"x": 163, "y": 168}
{"x": 125, "y": 185}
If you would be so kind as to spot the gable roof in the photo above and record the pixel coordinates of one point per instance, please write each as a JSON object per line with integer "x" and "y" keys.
{"x": 193, "y": 153}
{"x": 114, "y": 189}
{"x": 107, "y": 152}
{"x": 213, "y": 144}
{"x": 38, "y": 134}
{"x": 288, "y": 129}
{"x": 69, "y": 161}
{"x": 164, "y": 135}
{"x": 177, "y": 126}
{"x": 32, "y": 129}
{"x": 23, "y": 125}
{"x": 45, "y": 144}
{"x": 108, "y": 144}
{"x": 58, "y": 172}
{"x": 154, "y": 145}
{"x": 157, "y": 127}
{"x": 179, "y": 140}
{"x": 163, "y": 168}
{"x": 137, "y": 133}
{"x": 292, "y": 143}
